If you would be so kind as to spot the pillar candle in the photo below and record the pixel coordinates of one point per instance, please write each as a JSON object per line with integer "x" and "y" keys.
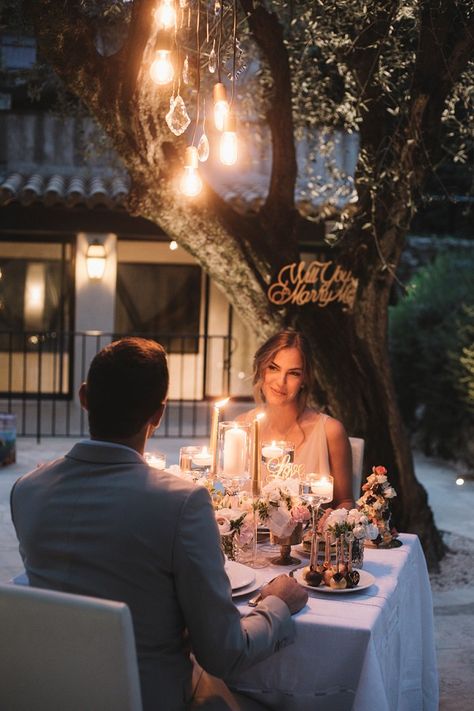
{"x": 235, "y": 447}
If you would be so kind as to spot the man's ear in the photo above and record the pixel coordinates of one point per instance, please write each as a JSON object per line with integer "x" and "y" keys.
{"x": 155, "y": 419}
{"x": 83, "y": 396}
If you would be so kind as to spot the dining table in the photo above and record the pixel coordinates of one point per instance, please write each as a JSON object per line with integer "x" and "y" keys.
{"x": 371, "y": 649}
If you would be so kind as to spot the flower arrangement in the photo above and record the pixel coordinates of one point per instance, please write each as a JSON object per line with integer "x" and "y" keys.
{"x": 235, "y": 525}
{"x": 375, "y": 503}
{"x": 353, "y": 525}
{"x": 280, "y": 508}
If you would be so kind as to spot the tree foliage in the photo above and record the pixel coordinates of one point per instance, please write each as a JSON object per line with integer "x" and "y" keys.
{"x": 391, "y": 71}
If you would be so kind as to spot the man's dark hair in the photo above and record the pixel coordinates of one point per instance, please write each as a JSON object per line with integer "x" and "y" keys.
{"x": 126, "y": 383}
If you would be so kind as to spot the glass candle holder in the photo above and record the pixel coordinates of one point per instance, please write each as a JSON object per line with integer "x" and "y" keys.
{"x": 233, "y": 454}
{"x": 277, "y": 458}
{"x": 195, "y": 460}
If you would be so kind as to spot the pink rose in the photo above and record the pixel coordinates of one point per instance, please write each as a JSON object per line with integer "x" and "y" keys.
{"x": 300, "y": 513}
{"x": 379, "y": 470}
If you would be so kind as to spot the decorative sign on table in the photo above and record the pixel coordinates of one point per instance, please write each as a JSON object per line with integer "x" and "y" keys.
{"x": 321, "y": 283}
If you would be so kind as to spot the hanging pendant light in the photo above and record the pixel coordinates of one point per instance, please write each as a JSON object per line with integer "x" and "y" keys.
{"x": 191, "y": 183}
{"x": 221, "y": 105}
{"x": 161, "y": 69}
{"x": 165, "y": 15}
{"x": 228, "y": 142}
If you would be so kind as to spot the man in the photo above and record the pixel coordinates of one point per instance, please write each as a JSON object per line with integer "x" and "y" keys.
{"x": 101, "y": 522}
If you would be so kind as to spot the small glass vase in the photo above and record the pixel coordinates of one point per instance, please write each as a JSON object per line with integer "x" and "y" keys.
{"x": 358, "y": 552}
{"x": 228, "y": 545}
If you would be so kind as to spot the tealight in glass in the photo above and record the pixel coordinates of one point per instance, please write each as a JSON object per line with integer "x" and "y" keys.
{"x": 157, "y": 460}
{"x": 195, "y": 460}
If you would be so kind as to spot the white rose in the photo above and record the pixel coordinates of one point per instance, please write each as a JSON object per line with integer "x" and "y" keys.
{"x": 381, "y": 478}
{"x": 372, "y": 531}
{"x": 359, "y": 531}
{"x": 389, "y": 493}
{"x": 363, "y": 520}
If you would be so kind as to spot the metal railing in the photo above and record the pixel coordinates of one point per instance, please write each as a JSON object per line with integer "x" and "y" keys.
{"x": 40, "y": 373}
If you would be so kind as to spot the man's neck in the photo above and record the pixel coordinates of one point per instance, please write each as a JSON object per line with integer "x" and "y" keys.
{"x": 137, "y": 442}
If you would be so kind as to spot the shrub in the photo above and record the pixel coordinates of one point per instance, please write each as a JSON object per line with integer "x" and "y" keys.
{"x": 432, "y": 352}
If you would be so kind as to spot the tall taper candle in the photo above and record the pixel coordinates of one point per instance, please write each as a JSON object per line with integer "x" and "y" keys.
{"x": 256, "y": 457}
{"x": 214, "y": 430}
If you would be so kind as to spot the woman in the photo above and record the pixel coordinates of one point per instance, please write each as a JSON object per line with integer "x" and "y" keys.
{"x": 283, "y": 381}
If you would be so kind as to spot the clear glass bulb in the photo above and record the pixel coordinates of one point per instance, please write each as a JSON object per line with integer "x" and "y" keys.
{"x": 228, "y": 148}
{"x": 191, "y": 183}
{"x": 165, "y": 15}
{"x": 161, "y": 70}
{"x": 221, "y": 110}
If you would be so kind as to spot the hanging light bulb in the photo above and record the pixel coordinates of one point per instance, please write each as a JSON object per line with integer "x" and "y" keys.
{"x": 173, "y": 245}
{"x": 161, "y": 70}
{"x": 165, "y": 15}
{"x": 191, "y": 183}
{"x": 221, "y": 106}
{"x": 228, "y": 143}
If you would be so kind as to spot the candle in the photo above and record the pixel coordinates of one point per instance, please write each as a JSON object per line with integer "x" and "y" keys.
{"x": 156, "y": 460}
{"x": 214, "y": 429}
{"x": 272, "y": 451}
{"x": 256, "y": 456}
{"x": 322, "y": 487}
{"x": 202, "y": 458}
{"x": 235, "y": 445}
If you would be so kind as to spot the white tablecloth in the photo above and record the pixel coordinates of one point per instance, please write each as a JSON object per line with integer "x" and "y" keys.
{"x": 368, "y": 651}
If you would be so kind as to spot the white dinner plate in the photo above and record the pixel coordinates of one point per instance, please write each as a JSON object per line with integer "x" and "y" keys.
{"x": 239, "y": 575}
{"x": 366, "y": 580}
{"x": 247, "y": 589}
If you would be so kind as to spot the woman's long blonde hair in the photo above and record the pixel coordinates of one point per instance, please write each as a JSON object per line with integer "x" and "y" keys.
{"x": 266, "y": 354}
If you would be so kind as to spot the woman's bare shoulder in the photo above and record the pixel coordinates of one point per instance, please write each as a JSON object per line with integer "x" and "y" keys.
{"x": 334, "y": 428}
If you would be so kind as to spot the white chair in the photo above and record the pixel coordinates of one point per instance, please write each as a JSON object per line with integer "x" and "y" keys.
{"x": 62, "y": 652}
{"x": 357, "y": 447}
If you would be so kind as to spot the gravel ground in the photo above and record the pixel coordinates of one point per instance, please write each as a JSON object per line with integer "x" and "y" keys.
{"x": 457, "y": 566}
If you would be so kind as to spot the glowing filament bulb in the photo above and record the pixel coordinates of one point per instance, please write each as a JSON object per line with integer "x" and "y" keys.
{"x": 165, "y": 15}
{"x": 161, "y": 70}
{"x": 228, "y": 143}
{"x": 221, "y": 106}
{"x": 191, "y": 183}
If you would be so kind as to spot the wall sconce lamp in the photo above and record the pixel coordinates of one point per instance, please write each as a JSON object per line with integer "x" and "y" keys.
{"x": 95, "y": 259}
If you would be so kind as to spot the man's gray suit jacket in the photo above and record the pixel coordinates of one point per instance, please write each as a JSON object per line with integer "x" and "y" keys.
{"x": 101, "y": 522}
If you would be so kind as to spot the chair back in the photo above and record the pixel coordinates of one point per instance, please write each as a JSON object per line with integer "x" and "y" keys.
{"x": 66, "y": 652}
{"x": 357, "y": 447}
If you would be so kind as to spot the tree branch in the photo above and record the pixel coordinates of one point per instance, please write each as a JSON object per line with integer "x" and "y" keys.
{"x": 268, "y": 34}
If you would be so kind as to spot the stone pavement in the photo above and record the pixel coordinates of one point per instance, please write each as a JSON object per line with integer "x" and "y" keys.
{"x": 453, "y": 508}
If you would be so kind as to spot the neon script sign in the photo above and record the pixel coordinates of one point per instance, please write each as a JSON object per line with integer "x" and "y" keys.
{"x": 320, "y": 283}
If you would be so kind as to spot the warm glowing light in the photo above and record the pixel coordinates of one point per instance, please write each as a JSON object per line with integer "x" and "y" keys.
{"x": 95, "y": 260}
{"x": 165, "y": 15}
{"x": 221, "y": 403}
{"x": 228, "y": 143}
{"x": 221, "y": 106}
{"x": 161, "y": 70}
{"x": 460, "y": 481}
{"x": 191, "y": 183}
{"x": 173, "y": 245}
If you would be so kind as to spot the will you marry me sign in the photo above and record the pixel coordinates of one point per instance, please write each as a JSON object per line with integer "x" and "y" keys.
{"x": 319, "y": 282}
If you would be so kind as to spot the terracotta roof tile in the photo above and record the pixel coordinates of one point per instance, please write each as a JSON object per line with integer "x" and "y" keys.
{"x": 59, "y": 190}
